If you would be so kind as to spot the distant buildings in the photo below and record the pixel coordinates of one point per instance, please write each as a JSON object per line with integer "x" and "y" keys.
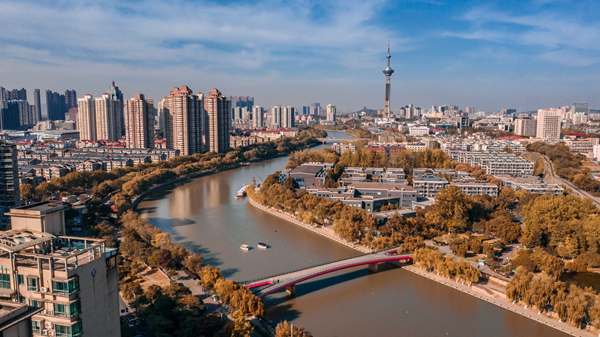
{"x": 16, "y": 114}
{"x": 388, "y": 75}
{"x": 219, "y": 121}
{"x": 526, "y": 127}
{"x": 257, "y": 116}
{"x": 117, "y": 96}
{"x": 282, "y": 117}
{"x": 331, "y": 111}
{"x": 241, "y": 102}
{"x": 548, "y": 124}
{"x": 55, "y": 105}
{"x": 15, "y": 94}
{"x": 37, "y": 103}
{"x": 10, "y": 192}
{"x": 184, "y": 120}
{"x": 70, "y": 99}
{"x": 139, "y": 122}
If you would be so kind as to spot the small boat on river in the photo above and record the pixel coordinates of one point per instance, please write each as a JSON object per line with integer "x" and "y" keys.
{"x": 262, "y": 245}
{"x": 241, "y": 193}
{"x": 245, "y": 247}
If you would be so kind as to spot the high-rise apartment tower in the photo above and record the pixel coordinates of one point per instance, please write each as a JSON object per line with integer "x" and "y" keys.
{"x": 139, "y": 122}
{"x": 108, "y": 126}
{"x": 257, "y": 116}
{"x": 184, "y": 120}
{"x": 86, "y": 118}
{"x": 548, "y": 124}
{"x": 10, "y": 193}
{"x": 219, "y": 122}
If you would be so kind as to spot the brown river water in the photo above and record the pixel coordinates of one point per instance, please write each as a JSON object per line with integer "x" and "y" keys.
{"x": 204, "y": 216}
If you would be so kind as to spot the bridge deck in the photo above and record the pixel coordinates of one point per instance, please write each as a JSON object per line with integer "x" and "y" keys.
{"x": 279, "y": 282}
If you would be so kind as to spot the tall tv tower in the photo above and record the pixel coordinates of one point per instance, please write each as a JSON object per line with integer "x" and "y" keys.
{"x": 388, "y": 74}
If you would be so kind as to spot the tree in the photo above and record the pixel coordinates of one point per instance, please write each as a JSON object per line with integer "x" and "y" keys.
{"x": 284, "y": 329}
{"x": 538, "y": 167}
{"x": 27, "y": 192}
{"x": 165, "y": 260}
{"x": 241, "y": 326}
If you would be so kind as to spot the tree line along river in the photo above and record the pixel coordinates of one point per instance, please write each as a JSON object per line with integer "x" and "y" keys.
{"x": 204, "y": 216}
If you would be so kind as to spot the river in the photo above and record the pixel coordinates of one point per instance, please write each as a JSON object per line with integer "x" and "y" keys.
{"x": 204, "y": 216}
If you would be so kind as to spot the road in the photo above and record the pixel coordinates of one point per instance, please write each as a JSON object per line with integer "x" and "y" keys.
{"x": 551, "y": 177}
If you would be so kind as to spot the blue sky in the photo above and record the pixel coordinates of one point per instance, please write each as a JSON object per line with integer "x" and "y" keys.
{"x": 486, "y": 54}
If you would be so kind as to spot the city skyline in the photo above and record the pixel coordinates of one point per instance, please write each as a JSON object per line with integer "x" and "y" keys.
{"x": 494, "y": 56}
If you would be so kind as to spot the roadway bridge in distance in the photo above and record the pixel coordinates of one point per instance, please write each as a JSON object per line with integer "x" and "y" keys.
{"x": 340, "y": 140}
{"x": 289, "y": 280}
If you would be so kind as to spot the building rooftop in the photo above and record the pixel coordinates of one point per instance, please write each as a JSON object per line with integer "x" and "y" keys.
{"x": 39, "y": 208}
{"x": 382, "y": 187}
{"x": 12, "y": 313}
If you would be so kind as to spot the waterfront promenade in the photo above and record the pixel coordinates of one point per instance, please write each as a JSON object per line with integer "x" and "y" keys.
{"x": 482, "y": 292}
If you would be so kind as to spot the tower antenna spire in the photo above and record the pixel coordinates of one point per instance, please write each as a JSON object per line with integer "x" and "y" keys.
{"x": 388, "y": 73}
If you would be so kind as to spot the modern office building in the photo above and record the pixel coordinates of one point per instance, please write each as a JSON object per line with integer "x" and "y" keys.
{"x": 315, "y": 108}
{"x": 331, "y": 111}
{"x": 117, "y": 95}
{"x": 10, "y": 192}
{"x": 74, "y": 280}
{"x": 257, "y": 116}
{"x": 37, "y": 102}
{"x": 526, "y": 127}
{"x": 184, "y": 120}
{"x": 239, "y": 102}
{"x": 548, "y": 124}
{"x": 70, "y": 99}
{"x": 86, "y": 118}
{"x": 55, "y": 105}
{"x": 219, "y": 121}
{"x": 139, "y": 122}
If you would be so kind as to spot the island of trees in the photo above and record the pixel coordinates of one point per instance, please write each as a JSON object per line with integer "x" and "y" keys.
{"x": 557, "y": 233}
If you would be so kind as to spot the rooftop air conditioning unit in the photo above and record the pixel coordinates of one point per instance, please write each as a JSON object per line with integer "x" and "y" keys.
{"x": 44, "y": 289}
{"x": 44, "y": 312}
{"x": 48, "y": 325}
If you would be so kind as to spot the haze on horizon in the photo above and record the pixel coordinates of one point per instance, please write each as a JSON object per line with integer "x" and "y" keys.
{"x": 523, "y": 55}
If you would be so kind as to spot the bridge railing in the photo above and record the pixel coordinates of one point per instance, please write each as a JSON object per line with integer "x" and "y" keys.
{"x": 321, "y": 264}
{"x": 315, "y": 273}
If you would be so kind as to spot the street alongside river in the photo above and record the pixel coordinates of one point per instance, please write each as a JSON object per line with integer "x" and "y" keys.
{"x": 205, "y": 217}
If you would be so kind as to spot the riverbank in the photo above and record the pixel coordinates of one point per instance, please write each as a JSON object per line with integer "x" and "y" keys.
{"x": 482, "y": 292}
{"x": 139, "y": 198}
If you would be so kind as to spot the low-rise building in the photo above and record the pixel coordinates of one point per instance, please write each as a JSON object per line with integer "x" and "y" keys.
{"x": 583, "y": 146}
{"x": 309, "y": 174}
{"x": 15, "y": 319}
{"x": 531, "y": 184}
{"x": 477, "y": 187}
{"x": 429, "y": 186}
{"x": 368, "y": 196}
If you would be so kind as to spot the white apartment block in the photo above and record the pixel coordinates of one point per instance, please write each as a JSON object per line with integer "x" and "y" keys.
{"x": 526, "y": 127}
{"x": 583, "y": 146}
{"x": 418, "y": 131}
{"x": 331, "y": 112}
{"x": 473, "y": 188}
{"x": 257, "y": 116}
{"x": 86, "y": 118}
{"x": 548, "y": 123}
{"x": 108, "y": 122}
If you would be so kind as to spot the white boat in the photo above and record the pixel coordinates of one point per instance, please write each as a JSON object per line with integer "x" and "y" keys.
{"x": 242, "y": 192}
{"x": 245, "y": 247}
{"x": 262, "y": 245}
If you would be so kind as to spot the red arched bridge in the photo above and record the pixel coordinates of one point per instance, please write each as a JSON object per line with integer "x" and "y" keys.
{"x": 289, "y": 280}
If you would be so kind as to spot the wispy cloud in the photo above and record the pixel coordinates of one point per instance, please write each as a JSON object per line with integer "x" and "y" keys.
{"x": 558, "y": 34}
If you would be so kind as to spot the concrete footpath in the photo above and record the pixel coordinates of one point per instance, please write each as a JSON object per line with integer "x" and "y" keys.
{"x": 484, "y": 293}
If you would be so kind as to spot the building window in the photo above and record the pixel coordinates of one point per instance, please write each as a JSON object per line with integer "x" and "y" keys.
{"x": 37, "y": 327}
{"x": 68, "y": 331}
{"x": 34, "y": 303}
{"x": 4, "y": 281}
{"x": 32, "y": 284}
{"x": 65, "y": 288}
{"x": 21, "y": 279}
